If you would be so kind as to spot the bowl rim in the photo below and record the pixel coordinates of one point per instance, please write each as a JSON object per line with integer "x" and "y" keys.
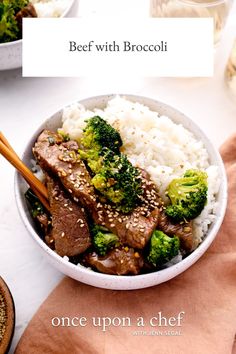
{"x": 8, "y": 44}
{"x": 19, "y": 41}
{"x": 127, "y": 280}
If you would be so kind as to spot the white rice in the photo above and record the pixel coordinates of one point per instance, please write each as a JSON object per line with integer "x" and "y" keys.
{"x": 50, "y": 8}
{"x": 157, "y": 144}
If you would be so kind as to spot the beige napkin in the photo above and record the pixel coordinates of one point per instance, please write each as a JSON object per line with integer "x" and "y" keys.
{"x": 206, "y": 293}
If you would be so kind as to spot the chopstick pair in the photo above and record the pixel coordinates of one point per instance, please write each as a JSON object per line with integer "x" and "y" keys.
{"x": 38, "y": 187}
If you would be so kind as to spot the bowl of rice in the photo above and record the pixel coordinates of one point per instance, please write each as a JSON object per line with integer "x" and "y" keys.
{"x": 158, "y": 139}
{"x": 11, "y": 50}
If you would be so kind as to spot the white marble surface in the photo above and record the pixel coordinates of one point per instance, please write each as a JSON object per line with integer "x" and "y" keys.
{"x": 25, "y": 103}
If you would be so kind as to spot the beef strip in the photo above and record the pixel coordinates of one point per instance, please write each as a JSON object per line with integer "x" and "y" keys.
{"x": 44, "y": 222}
{"x": 119, "y": 261}
{"x": 133, "y": 229}
{"x": 184, "y": 231}
{"x": 136, "y": 228}
{"x": 70, "y": 231}
{"x": 61, "y": 159}
{"x": 27, "y": 12}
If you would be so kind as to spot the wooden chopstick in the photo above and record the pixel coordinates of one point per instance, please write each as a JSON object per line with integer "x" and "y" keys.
{"x": 6, "y": 142}
{"x": 38, "y": 188}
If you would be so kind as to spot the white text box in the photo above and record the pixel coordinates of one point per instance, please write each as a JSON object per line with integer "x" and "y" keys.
{"x": 170, "y": 47}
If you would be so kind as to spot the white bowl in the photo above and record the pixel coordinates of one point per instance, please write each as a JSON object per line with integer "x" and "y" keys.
{"x": 11, "y": 52}
{"x": 88, "y": 276}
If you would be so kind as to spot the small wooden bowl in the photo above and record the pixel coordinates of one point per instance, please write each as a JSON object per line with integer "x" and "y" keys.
{"x": 7, "y": 310}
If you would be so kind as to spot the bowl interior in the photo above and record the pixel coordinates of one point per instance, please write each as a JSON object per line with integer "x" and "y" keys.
{"x": 125, "y": 282}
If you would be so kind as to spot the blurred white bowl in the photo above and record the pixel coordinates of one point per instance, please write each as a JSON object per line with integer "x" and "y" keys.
{"x": 11, "y": 52}
{"x": 88, "y": 276}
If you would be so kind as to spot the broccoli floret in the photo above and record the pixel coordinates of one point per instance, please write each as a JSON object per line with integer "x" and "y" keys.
{"x": 93, "y": 159}
{"x": 97, "y": 135}
{"x": 162, "y": 248}
{"x": 9, "y": 30}
{"x": 16, "y": 5}
{"x": 188, "y": 195}
{"x": 119, "y": 181}
{"x": 113, "y": 175}
{"x": 65, "y": 136}
{"x": 103, "y": 240}
{"x": 36, "y": 206}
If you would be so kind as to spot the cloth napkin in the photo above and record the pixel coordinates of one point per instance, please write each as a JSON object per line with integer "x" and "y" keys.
{"x": 206, "y": 293}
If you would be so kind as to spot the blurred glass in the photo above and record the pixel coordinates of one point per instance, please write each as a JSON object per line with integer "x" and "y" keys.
{"x": 230, "y": 71}
{"x": 217, "y": 9}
